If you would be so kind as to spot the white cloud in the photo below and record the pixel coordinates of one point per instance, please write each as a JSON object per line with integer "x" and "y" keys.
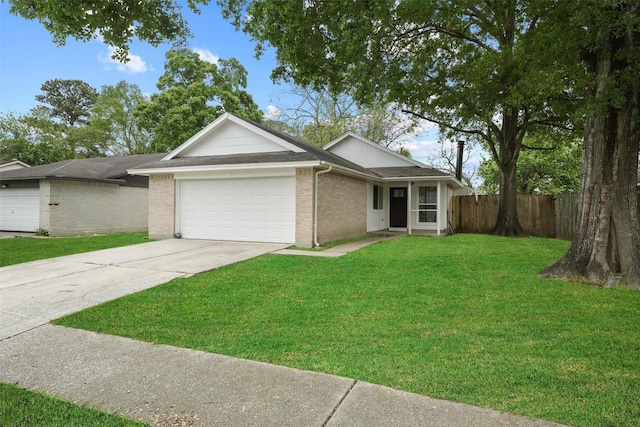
{"x": 272, "y": 112}
{"x": 421, "y": 149}
{"x": 207, "y": 55}
{"x": 135, "y": 65}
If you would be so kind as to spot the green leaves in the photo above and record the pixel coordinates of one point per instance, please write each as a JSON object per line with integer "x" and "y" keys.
{"x": 552, "y": 167}
{"x": 117, "y": 23}
{"x": 114, "y": 117}
{"x": 70, "y": 101}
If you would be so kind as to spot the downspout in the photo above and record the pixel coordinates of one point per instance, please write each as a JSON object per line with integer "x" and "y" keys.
{"x": 409, "y": 216}
{"x": 315, "y": 207}
{"x": 439, "y": 208}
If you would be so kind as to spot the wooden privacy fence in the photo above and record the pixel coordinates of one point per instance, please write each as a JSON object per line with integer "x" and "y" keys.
{"x": 549, "y": 216}
{"x": 536, "y": 214}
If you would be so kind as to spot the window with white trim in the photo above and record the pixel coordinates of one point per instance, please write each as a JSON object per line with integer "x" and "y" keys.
{"x": 427, "y": 204}
{"x": 377, "y": 197}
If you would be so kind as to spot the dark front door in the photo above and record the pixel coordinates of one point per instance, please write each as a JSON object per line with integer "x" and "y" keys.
{"x": 398, "y": 207}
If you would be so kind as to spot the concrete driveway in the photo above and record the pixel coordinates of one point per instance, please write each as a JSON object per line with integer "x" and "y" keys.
{"x": 33, "y": 293}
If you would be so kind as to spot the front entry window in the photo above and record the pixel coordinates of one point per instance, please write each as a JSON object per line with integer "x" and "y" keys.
{"x": 427, "y": 204}
{"x": 377, "y": 197}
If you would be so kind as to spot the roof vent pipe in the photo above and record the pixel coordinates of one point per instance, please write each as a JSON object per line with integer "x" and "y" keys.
{"x": 459, "y": 160}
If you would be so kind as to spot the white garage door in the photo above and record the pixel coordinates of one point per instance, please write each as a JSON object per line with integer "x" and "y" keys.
{"x": 244, "y": 209}
{"x": 19, "y": 209}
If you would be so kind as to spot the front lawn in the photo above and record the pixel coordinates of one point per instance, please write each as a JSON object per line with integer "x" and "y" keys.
{"x": 464, "y": 318}
{"x": 22, "y": 249}
{"x": 19, "y": 408}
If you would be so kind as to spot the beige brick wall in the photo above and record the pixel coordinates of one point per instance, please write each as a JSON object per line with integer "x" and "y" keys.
{"x": 304, "y": 206}
{"x": 45, "y": 197}
{"x": 69, "y": 208}
{"x": 342, "y": 207}
{"x": 162, "y": 206}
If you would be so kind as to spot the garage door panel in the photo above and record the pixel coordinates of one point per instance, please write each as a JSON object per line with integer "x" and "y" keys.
{"x": 19, "y": 209}
{"x": 248, "y": 209}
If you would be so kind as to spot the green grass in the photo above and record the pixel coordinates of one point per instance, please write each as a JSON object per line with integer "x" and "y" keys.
{"x": 464, "y": 318}
{"x": 23, "y": 249}
{"x": 20, "y": 408}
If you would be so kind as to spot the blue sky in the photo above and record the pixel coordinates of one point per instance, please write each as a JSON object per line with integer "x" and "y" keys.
{"x": 28, "y": 58}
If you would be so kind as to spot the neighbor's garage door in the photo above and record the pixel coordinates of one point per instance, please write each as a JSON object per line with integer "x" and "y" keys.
{"x": 19, "y": 209}
{"x": 244, "y": 209}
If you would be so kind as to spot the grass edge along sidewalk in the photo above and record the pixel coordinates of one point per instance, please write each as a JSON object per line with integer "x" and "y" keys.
{"x": 462, "y": 318}
{"x": 20, "y": 407}
{"x": 24, "y": 249}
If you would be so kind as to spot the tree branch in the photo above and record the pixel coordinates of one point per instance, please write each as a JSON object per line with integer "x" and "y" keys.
{"x": 538, "y": 148}
{"x": 447, "y": 125}
{"x": 570, "y": 127}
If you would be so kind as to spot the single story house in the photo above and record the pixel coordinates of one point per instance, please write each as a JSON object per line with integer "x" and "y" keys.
{"x": 241, "y": 180}
{"x": 74, "y": 197}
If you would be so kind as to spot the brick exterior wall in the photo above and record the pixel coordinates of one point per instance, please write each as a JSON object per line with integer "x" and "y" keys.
{"x": 69, "y": 208}
{"x": 342, "y": 207}
{"x": 162, "y": 206}
{"x": 304, "y": 206}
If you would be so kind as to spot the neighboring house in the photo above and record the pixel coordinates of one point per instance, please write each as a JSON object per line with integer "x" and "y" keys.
{"x": 73, "y": 197}
{"x": 240, "y": 180}
{"x": 12, "y": 164}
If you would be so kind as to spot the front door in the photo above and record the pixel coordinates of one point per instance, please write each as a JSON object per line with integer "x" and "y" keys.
{"x": 398, "y": 207}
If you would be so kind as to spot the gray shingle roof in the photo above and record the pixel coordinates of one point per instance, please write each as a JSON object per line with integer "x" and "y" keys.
{"x": 229, "y": 159}
{"x": 94, "y": 169}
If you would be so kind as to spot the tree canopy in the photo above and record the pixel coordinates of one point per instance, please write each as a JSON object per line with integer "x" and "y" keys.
{"x": 70, "y": 101}
{"x": 116, "y": 22}
{"x": 113, "y": 116}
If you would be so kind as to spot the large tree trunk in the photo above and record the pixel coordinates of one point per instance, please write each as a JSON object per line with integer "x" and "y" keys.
{"x": 507, "y": 223}
{"x": 606, "y": 247}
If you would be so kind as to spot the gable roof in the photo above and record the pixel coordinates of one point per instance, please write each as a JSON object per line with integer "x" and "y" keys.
{"x": 298, "y": 151}
{"x": 219, "y": 123}
{"x": 347, "y": 136}
{"x": 13, "y": 164}
{"x": 107, "y": 169}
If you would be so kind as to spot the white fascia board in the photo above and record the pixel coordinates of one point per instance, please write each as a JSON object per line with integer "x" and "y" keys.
{"x": 339, "y": 139}
{"x": 206, "y": 168}
{"x": 14, "y": 162}
{"x": 448, "y": 179}
{"x": 219, "y": 122}
{"x": 373, "y": 144}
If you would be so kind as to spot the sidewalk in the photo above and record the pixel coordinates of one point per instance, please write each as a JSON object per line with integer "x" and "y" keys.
{"x": 338, "y": 251}
{"x": 171, "y": 386}
{"x": 168, "y": 386}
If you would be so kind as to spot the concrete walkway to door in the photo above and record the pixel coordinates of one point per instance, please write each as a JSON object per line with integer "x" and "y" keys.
{"x": 33, "y": 293}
